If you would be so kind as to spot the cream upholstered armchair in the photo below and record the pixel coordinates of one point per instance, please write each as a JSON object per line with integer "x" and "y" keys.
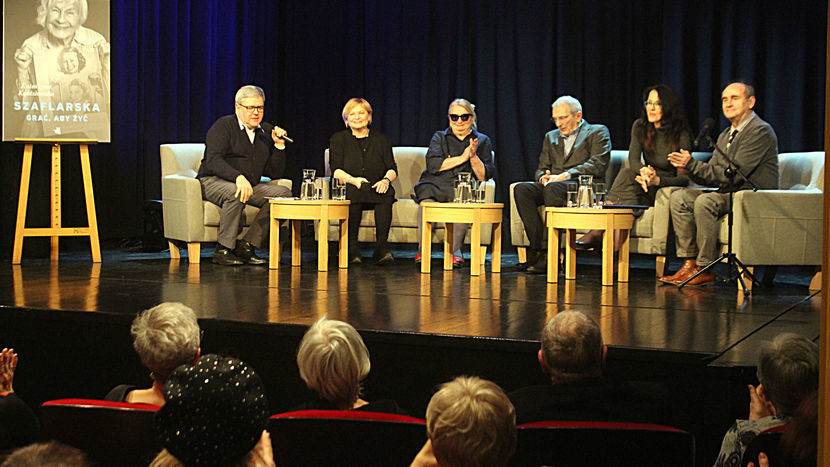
{"x": 784, "y": 226}
{"x": 187, "y": 217}
{"x": 411, "y": 162}
{"x": 650, "y": 232}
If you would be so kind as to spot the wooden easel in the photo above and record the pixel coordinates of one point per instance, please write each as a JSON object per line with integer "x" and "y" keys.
{"x": 55, "y": 231}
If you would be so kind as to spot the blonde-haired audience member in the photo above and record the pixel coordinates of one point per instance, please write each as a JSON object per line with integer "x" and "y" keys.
{"x": 470, "y": 422}
{"x": 333, "y": 362}
{"x": 164, "y": 337}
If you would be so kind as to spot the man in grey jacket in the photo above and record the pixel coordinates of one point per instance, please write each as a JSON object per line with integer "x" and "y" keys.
{"x": 752, "y": 145}
{"x": 574, "y": 148}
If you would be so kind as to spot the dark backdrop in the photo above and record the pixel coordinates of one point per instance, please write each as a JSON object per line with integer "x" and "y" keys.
{"x": 176, "y": 66}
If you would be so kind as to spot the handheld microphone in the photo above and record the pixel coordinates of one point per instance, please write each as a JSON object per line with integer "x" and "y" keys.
{"x": 705, "y": 128}
{"x": 285, "y": 137}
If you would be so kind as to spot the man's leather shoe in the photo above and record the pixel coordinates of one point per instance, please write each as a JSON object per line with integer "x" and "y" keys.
{"x": 540, "y": 266}
{"x": 532, "y": 259}
{"x": 706, "y": 278}
{"x": 247, "y": 253}
{"x": 682, "y": 272}
{"x": 384, "y": 257}
{"x": 225, "y": 257}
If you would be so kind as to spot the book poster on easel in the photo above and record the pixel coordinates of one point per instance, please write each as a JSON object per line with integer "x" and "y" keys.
{"x": 56, "y": 69}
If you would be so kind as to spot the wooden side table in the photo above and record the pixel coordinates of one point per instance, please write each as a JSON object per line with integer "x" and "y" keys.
{"x": 472, "y": 213}
{"x": 297, "y": 210}
{"x": 572, "y": 219}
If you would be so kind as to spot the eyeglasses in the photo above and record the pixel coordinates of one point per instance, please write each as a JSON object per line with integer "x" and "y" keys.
{"x": 252, "y": 108}
{"x": 652, "y": 103}
{"x": 463, "y": 117}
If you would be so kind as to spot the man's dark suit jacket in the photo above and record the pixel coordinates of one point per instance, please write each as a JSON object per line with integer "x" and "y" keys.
{"x": 229, "y": 152}
{"x": 589, "y": 156}
{"x": 595, "y": 400}
{"x": 754, "y": 150}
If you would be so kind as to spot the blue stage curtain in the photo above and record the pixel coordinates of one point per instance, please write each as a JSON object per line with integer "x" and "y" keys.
{"x": 176, "y": 66}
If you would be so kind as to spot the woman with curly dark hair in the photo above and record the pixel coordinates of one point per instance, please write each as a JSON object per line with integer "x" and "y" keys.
{"x": 660, "y": 130}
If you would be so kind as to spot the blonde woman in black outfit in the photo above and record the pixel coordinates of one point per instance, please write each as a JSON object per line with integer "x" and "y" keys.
{"x": 362, "y": 159}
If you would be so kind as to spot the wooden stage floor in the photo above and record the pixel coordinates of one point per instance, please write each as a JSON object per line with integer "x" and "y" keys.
{"x": 716, "y": 322}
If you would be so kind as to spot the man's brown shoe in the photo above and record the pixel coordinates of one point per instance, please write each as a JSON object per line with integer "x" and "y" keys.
{"x": 682, "y": 272}
{"x": 704, "y": 279}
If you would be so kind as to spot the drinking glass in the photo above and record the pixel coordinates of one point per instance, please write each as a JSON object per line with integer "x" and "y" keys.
{"x": 307, "y": 189}
{"x": 572, "y": 197}
{"x": 599, "y": 195}
{"x": 479, "y": 187}
{"x": 338, "y": 189}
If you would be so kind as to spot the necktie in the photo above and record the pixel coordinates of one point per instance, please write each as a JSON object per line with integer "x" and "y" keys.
{"x": 731, "y": 137}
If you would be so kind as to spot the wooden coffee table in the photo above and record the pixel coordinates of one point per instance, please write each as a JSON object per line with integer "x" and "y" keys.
{"x": 571, "y": 219}
{"x": 298, "y": 210}
{"x": 470, "y": 213}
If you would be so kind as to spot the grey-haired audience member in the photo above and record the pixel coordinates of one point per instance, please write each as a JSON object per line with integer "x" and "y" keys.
{"x": 573, "y": 356}
{"x": 164, "y": 337}
{"x": 470, "y": 422}
{"x": 788, "y": 369}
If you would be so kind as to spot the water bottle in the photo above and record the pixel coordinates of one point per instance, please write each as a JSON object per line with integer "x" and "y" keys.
{"x": 585, "y": 195}
{"x": 307, "y": 189}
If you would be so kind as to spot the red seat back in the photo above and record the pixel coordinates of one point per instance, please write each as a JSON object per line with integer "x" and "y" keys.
{"x": 110, "y": 433}
{"x": 568, "y": 443}
{"x": 345, "y": 437}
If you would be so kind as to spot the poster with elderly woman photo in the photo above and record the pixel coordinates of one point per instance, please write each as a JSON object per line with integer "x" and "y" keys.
{"x": 56, "y": 69}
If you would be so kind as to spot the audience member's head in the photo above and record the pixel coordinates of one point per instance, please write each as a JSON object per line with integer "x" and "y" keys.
{"x": 788, "y": 371}
{"x": 471, "y": 422}
{"x": 572, "y": 347}
{"x": 165, "y": 337}
{"x": 799, "y": 443}
{"x": 49, "y": 454}
{"x": 214, "y": 413}
{"x": 333, "y": 361}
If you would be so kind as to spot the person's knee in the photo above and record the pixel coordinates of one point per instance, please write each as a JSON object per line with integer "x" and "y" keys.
{"x": 522, "y": 190}
{"x": 706, "y": 205}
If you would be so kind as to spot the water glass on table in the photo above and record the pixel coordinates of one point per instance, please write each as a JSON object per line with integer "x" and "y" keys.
{"x": 572, "y": 197}
{"x": 600, "y": 195}
{"x": 338, "y": 189}
{"x": 479, "y": 187}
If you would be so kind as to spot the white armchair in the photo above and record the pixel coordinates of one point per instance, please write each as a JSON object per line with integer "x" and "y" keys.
{"x": 187, "y": 217}
{"x": 781, "y": 227}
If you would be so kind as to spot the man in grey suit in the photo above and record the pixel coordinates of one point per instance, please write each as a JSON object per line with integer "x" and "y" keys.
{"x": 574, "y": 148}
{"x": 752, "y": 145}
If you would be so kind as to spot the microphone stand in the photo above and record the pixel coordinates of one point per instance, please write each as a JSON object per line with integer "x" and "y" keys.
{"x": 736, "y": 267}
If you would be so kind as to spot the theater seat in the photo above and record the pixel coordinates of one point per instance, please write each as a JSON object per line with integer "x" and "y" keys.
{"x": 110, "y": 433}
{"x": 343, "y": 437}
{"x": 565, "y": 444}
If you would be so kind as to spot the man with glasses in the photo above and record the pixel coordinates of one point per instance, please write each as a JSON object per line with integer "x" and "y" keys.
{"x": 239, "y": 150}
{"x": 752, "y": 145}
{"x": 574, "y": 148}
